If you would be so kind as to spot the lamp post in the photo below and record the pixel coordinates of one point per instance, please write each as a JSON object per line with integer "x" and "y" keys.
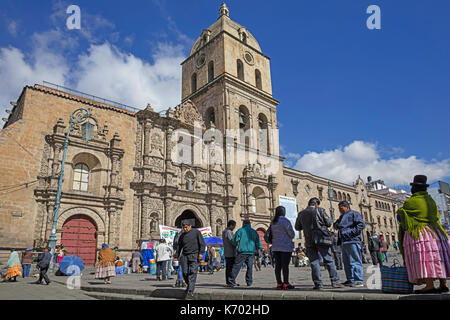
{"x": 330, "y": 196}
{"x": 77, "y": 117}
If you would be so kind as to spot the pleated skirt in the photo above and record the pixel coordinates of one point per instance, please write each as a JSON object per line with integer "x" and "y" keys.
{"x": 105, "y": 271}
{"x": 428, "y": 257}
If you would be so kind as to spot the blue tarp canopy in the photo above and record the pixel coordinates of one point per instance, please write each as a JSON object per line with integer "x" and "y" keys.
{"x": 71, "y": 265}
{"x": 212, "y": 241}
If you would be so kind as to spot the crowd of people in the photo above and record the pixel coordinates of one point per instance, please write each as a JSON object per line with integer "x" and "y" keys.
{"x": 423, "y": 244}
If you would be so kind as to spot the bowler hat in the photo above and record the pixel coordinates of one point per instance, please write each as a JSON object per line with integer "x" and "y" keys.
{"x": 186, "y": 222}
{"x": 420, "y": 180}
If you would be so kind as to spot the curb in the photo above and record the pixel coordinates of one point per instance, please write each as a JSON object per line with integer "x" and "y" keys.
{"x": 105, "y": 292}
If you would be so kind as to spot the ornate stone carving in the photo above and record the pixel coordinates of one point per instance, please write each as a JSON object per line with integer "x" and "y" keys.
{"x": 256, "y": 170}
{"x": 187, "y": 113}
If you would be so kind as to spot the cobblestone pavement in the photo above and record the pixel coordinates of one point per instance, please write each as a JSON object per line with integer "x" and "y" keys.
{"x": 145, "y": 286}
{"x": 24, "y": 289}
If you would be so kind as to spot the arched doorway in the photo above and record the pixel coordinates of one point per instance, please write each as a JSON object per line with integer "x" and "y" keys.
{"x": 264, "y": 244}
{"x": 79, "y": 237}
{"x": 188, "y": 214}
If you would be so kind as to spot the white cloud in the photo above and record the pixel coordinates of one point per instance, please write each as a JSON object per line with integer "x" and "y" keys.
{"x": 103, "y": 70}
{"x": 108, "y": 72}
{"x": 363, "y": 158}
{"x": 21, "y": 70}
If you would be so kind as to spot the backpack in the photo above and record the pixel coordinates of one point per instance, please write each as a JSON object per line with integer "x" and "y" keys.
{"x": 268, "y": 235}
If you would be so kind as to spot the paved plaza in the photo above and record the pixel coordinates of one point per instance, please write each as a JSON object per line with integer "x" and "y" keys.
{"x": 209, "y": 287}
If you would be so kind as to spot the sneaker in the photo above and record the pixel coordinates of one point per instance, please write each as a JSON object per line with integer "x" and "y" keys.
{"x": 317, "y": 288}
{"x": 287, "y": 286}
{"x": 358, "y": 285}
{"x": 279, "y": 286}
{"x": 337, "y": 285}
{"x": 348, "y": 284}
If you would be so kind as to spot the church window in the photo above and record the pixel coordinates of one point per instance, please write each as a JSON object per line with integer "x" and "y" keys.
{"x": 244, "y": 37}
{"x": 334, "y": 195}
{"x": 210, "y": 117}
{"x": 81, "y": 177}
{"x": 240, "y": 70}
{"x": 194, "y": 82}
{"x": 349, "y": 199}
{"x": 258, "y": 79}
{"x": 244, "y": 125}
{"x": 210, "y": 71}
{"x": 260, "y": 198}
{"x": 263, "y": 134}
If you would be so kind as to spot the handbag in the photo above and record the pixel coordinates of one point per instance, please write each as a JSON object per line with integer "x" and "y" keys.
{"x": 394, "y": 279}
{"x": 268, "y": 235}
{"x": 321, "y": 236}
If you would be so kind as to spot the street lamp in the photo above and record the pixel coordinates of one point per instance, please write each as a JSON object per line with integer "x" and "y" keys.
{"x": 330, "y": 196}
{"x": 77, "y": 117}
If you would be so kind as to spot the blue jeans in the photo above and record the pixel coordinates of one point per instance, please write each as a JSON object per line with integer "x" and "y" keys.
{"x": 385, "y": 256}
{"x": 238, "y": 263}
{"x": 180, "y": 272}
{"x": 315, "y": 254}
{"x": 169, "y": 269}
{"x": 26, "y": 270}
{"x": 351, "y": 256}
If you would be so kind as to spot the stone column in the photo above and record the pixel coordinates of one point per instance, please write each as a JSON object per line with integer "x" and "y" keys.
{"x": 147, "y": 131}
{"x": 113, "y": 227}
{"x": 145, "y": 212}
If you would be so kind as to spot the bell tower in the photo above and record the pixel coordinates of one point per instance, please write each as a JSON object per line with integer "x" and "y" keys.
{"x": 228, "y": 78}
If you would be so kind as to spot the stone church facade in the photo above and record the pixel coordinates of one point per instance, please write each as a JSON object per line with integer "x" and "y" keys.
{"x": 214, "y": 157}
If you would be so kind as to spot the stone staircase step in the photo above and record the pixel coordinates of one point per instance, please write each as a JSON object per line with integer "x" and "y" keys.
{"x": 119, "y": 296}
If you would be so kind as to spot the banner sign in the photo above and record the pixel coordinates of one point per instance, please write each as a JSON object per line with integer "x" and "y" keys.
{"x": 170, "y": 232}
{"x": 290, "y": 204}
{"x": 206, "y": 232}
{"x": 147, "y": 245}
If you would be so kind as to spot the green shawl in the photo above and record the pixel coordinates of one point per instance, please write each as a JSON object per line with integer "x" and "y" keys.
{"x": 418, "y": 212}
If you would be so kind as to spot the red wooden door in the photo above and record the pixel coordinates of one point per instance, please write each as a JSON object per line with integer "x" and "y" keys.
{"x": 264, "y": 244}
{"x": 79, "y": 238}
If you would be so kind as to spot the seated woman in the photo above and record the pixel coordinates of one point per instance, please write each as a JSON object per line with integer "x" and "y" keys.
{"x": 14, "y": 267}
{"x": 120, "y": 268}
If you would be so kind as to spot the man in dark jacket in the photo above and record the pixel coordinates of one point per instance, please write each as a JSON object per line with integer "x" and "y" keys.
{"x": 308, "y": 220}
{"x": 191, "y": 247}
{"x": 179, "y": 283}
{"x": 229, "y": 251}
{"x": 337, "y": 252}
{"x": 374, "y": 248}
{"x": 350, "y": 226}
{"x": 43, "y": 264}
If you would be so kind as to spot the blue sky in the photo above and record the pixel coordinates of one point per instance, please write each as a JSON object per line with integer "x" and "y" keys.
{"x": 358, "y": 101}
